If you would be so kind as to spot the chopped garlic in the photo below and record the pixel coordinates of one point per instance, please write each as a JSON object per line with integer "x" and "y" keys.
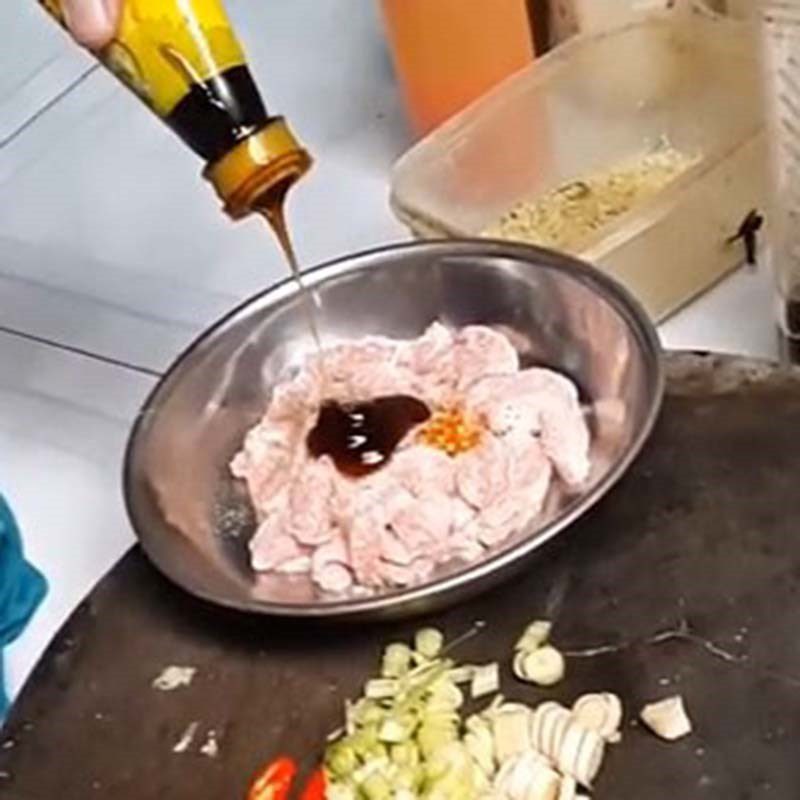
{"x": 667, "y": 718}
{"x": 211, "y": 746}
{"x": 187, "y": 737}
{"x": 174, "y": 677}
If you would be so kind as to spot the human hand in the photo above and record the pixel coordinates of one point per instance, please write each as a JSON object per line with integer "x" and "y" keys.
{"x": 93, "y": 23}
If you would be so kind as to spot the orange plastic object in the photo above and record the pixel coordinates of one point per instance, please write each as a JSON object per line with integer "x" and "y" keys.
{"x": 449, "y": 52}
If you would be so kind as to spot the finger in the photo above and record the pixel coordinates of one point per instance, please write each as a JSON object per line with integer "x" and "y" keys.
{"x": 93, "y": 23}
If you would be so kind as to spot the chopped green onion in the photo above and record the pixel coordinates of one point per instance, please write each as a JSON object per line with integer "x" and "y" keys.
{"x": 429, "y": 642}
{"x": 394, "y": 732}
{"x": 405, "y": 754}
{"x": 485, "y": 680}
{"x": 381, "y": 688}
{"x": 376, "y": 787}
{"x": 461, "y": 674}
{"x": 396, "y": 660}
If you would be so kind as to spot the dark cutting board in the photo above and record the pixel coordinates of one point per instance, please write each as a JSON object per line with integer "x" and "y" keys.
{"x": 702, "y": 533}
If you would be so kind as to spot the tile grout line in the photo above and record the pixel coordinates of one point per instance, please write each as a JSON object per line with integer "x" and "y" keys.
{"x": 47, "y": 106}
{"x": 79, "y": 351}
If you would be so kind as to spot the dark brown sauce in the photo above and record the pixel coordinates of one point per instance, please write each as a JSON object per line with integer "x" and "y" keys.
{"x": 360, "y": 438}
{"x": 216, "y": 114}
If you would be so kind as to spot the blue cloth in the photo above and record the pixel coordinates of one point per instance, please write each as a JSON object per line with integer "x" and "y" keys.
{"x": 22, "y": 588}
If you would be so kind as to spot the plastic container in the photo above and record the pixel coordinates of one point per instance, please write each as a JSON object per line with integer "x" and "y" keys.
{"x": 597, "y": 15}
{"x": 593, "y": 103}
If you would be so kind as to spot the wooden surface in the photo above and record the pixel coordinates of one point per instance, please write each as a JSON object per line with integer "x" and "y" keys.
{"x": 701, "y": 538}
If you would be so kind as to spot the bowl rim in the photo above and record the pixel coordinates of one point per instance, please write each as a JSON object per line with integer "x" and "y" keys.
{"x": 615, "y": 294}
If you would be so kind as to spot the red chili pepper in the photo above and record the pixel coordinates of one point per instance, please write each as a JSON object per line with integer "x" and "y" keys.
{"x": 274, "y": 781}
{"x": 315, "y": 788}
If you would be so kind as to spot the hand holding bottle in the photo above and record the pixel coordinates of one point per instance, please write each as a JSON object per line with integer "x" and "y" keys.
{"x": 183, "y": 59}
{"x": 92, "y": 22}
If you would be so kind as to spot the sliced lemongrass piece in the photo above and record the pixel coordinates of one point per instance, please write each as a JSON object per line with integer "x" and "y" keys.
{"x": 511, "y": 732}
{"x": 601, "y": 713}
{"x": 485, "y": 680}
{"x": 548, "y": 726}
{"x": 518, "y": 665}
{"x": 568, "y": 789}
{"x": 667, "y": 718}
{"x": 544, "y": 666}
{"x": 581, "y": 754}
{"x": 534, "y": 636}
{"x": 554, "y": 729}
{"x": 527, "y": 776}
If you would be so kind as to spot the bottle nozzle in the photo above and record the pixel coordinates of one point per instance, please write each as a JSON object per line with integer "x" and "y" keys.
{"x": 271, "y": 159}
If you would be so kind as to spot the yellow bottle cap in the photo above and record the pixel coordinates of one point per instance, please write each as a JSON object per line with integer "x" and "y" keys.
{"x": 269, "y": 159}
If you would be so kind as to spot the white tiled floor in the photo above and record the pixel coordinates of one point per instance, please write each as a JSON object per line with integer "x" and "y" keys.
{"x": 110, "y": 243}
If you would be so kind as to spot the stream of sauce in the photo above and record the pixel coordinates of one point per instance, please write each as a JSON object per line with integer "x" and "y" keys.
{"x": 271, "y": 208}
{"x": 361, "y": 437}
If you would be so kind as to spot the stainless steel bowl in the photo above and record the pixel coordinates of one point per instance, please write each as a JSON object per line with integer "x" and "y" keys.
{"x": 194, "y": 521}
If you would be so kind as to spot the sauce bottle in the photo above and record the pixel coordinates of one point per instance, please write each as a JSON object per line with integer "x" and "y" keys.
{"x": 449, "y": 52}
{"x": 183, "y": 59}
